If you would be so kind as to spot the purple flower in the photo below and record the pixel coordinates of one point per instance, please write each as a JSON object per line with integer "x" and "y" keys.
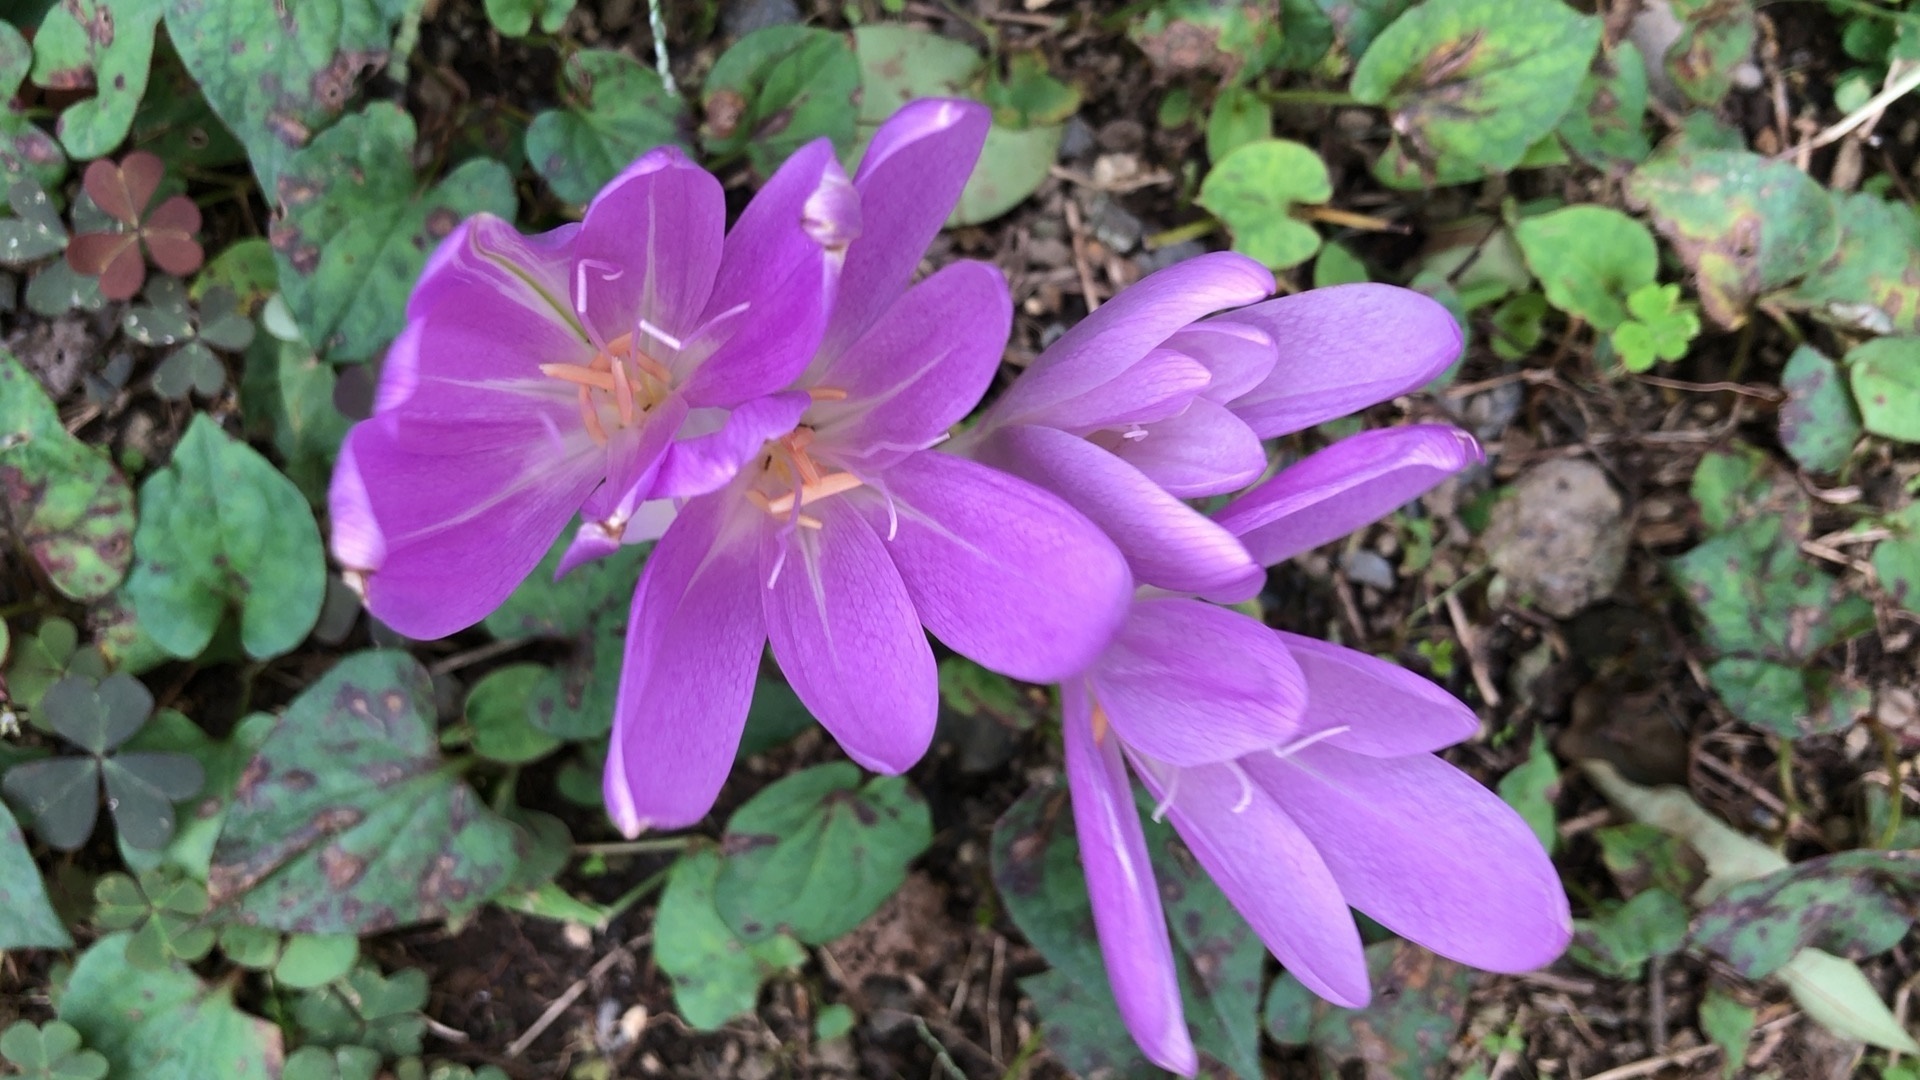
{"x": 846, "y": 534}
{"x": 1301, "y": 774}
{"x": 540, "y": 377}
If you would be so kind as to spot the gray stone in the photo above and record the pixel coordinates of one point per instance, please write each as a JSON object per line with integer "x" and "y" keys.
{"x": 1559, "y": 538}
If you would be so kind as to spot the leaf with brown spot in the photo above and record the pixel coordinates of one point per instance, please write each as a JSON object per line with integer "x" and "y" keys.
{"x": 1418, "y": 1003}
{"x": 350, "y": 822}
{"x": 1855, "y": 904}
{"x": 67, "y": 503}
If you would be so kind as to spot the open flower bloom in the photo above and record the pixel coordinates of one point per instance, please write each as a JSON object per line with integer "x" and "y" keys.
{"x": 1301, "y": 774}
{"x": 540, "y": 377}
{"x": 846, "y": 534}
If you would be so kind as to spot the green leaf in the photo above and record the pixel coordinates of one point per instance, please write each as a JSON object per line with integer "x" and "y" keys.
{"x": 1606, "y": 127}
{"x": 1854, "y": 904}
{"x": 1029, "y": 96}
{"x": 35, "y": 231}
{"x": 103, "y": 44}
{"x": 1641, "y": 857}
{"x": 221, "y": 528}
{"x": 97, "y": 717}
{"x": 1036, "y": 869}
{"x": 1818, "y": 426}
{"x": 27, "y": 920}
{"x": 312, "y": 960}
{"x": 1337, "y": 266}
{"x": 287, "y": 394}
{"x": 355, "y": 228}
{"x": 26, "y": 152}
{"x": 617, "y": 109}
{"x": 815, "y": 853}
{"x": 164, "y": 1025}
{"x": 498, "y": 708}
{"x": 587, "y": 608}
{"x": 1746, "y": 225}
{"x": 1729, "y": 1025}
{"x": 332, "y": 1063}
{"x": 899, "y": 64}
{"x": 1235, "y": 41}
{"x": 278, "y": 73}
{"x": 716, "y": 976}
{"x": 64, "y": 499}
{"x": 347, "y": 821}
{"x": 1624, "y": 937}
{"x": 61, "y": 795}
{"x": 1418, "y": 1005}
{"x": 1871, "y": 281}
{"x": 1012, "y": 166}
{"x": 1885, "y": 374}
{"x": 775, "y": 717}
{"x": 515, "y": 18}
{"x": 50, "y": 1052}
{"x": 1475, "y": 83}
{"x": 1717, "y": 36}
{"x": 1530, "y": 789}
{"x": 1588, "y": 259}
{"x": 1896, "y": 561}
{"x": 1254, "y": 190}
{"x": 1660, "y": 327}
{"x": 366, "y": 1009}
{"x": 777, "y": 89}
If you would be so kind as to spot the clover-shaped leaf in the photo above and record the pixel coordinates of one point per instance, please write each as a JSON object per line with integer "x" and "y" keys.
{"x": 1589, "y": 259}
{"x": 333, "y": 1063}
{"x": 58, "y": 288}
{"x": 297, "y": 961}
{"x": 166, "y": 232}
{"x": 168, "y": 318}
{"x": 166, "y": 911}
{"x": 1658, "y": 327}
{"x": 62, "y": 794}
{"x": 35, "y": 231}
{"x": 1254, "y": 188}
{"x": 50, "y": 1051}
{"x": 366, "y": 1009}
{"x": 1029, "y": 96}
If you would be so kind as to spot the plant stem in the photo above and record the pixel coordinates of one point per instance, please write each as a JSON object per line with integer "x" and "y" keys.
{"x": 658, "y": 845}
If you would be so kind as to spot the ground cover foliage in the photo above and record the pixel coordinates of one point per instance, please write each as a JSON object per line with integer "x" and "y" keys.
{"x": 1683, "y": 595}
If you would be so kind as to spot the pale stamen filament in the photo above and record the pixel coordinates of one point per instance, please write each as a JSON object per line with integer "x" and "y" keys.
{"x": 1246, "y": 785}
{"x": 1294, "y": 747}
{"x": 1166, "y": 800}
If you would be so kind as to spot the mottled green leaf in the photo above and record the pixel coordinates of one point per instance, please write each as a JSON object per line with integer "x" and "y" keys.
{"x": 27, "y": 920}
{"x": 26, "y": 152}
{"x": 348, "y": 821}
{"x": 815, "y": 853}
{"x": 1716, "y": 37}
{"x": 777, "y": 89}
{"x": 1855, "y": 904}
{"x": 1896, "y": 561}
{"x": 1229, "y": 38}
{"x": 222, "y": 529}
{"x": 1818, "y": 425}
{"x": 1606, "y": 127}
{"x": 1885, "y": 374}
{"x": 1475, "y": 83}
{"x": 498, "y": 709}
{"x": 1419, "y": 1001}
{"x": 103, "y": 45}
{"x": 1621, "y": 938}
{"x": 1746, "y": 225}
{"x": 278, "y": 73}
{"x": 64, "y": 500}
{"x": 1255, "y": 188}
{"x": 1871, "y": 281}
{"x": 1029, "y": 95}
{"x": 1588, "y": 259}
{"x": 166, "y": 1024}
{"x": 354, "y": 228}
{"x": 617, "y": 110}
{"x": 716, "y": 976}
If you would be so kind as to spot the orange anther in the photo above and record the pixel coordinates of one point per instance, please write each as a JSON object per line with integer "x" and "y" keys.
{"x": 590, "y": 416}
{"x": 1099, "y": 724}
{"x": 827, "y": 393}
{"x": 580, "y": 376}
{"x": 622, "y": 394}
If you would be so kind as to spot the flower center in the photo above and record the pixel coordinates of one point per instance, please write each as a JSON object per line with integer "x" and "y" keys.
{"x": 787, "y": 465}
{"x": 621, "y": 382}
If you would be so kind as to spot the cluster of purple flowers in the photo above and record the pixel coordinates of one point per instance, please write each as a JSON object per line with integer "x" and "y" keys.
{"x": 771, "y": 405}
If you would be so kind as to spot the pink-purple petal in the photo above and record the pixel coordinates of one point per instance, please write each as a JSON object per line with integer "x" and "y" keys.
{"x": 909, "y": 181}
{"x": 649, "y": 247}
{"x": 485, "y": 260}
{"x": 1128, "y": 327}
{"x": 1428, "y": 852}
{"x": 1189, "y": 683}
{"x": 450, "y": 544}
{"x": 1159, "y": 385}
{"x": 1166, "y": 542}
{"x": 694, "y": 637}
{"x": 806, "y": 209}
{"x": 1341, "y": 349}
{"x": 699, "y": 464}
{"x": 922, "y": 366}
{"x": 1352, "y": 483}
{"x": 1002, "y": 572}
{"x": 845, "y": 634}
{"x": 1271, "y": 872}
{"x": 1381, "y": 708}
{"x": 1238, "y": 356}
{"x": 1202, "y": 450}
{"x": 1127, "y": 916}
